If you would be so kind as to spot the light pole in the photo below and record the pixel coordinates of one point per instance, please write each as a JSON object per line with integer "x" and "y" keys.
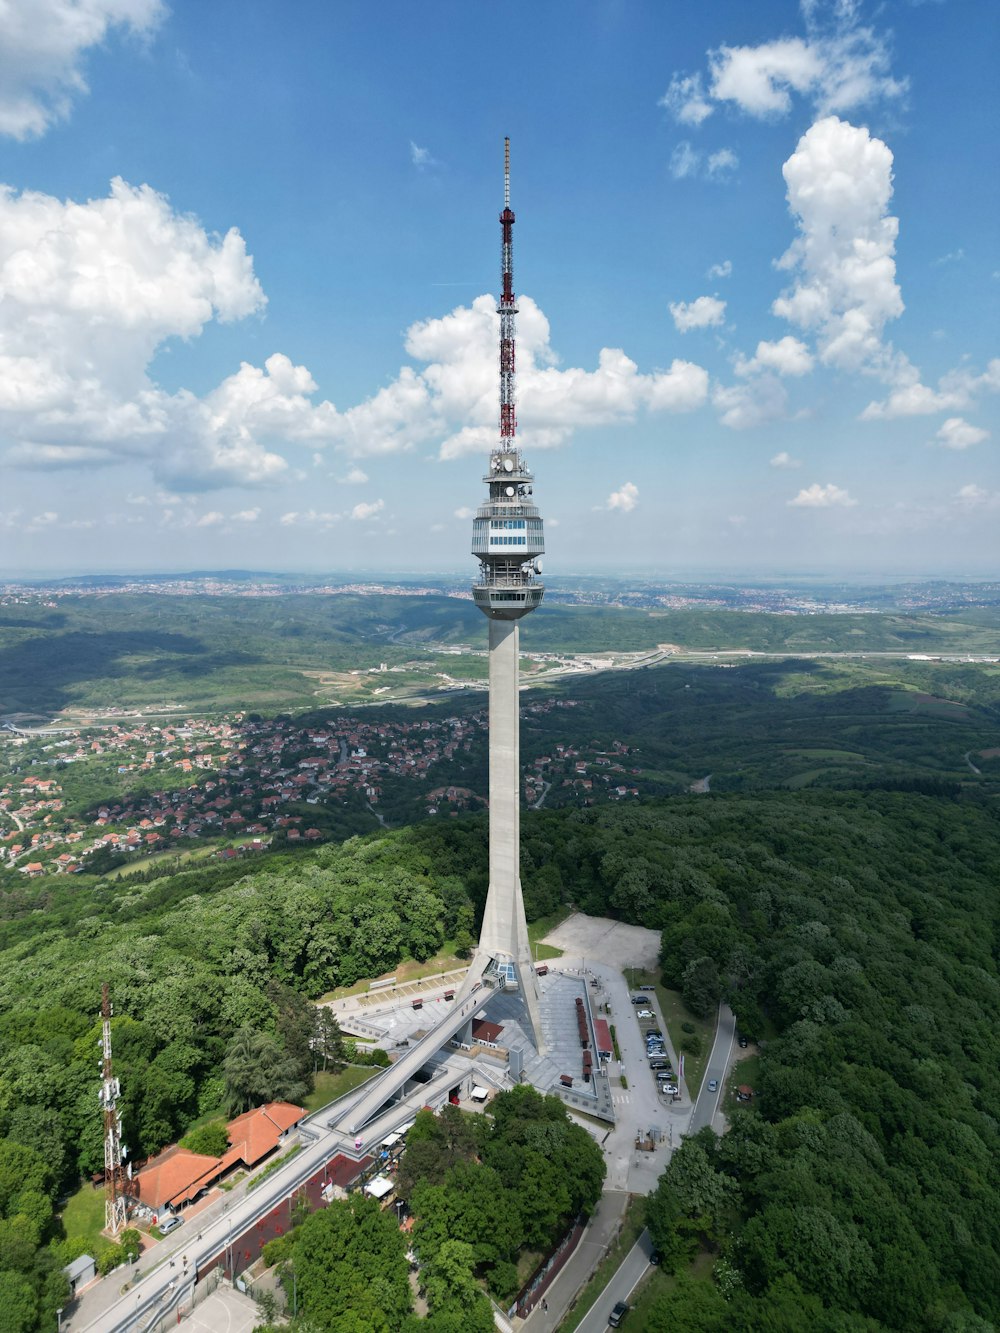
{"x": 59, "y": 1318}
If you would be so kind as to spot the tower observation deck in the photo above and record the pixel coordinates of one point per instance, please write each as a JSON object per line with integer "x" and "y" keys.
{"x": 508, "y": 541}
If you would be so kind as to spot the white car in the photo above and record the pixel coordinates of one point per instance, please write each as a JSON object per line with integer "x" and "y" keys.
{"x": 644, "y": 1013}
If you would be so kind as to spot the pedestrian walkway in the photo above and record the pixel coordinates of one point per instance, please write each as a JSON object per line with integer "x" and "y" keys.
{"x": 601, "y": 1232}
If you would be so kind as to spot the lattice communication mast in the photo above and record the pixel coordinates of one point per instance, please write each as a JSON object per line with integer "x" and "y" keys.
{"x": 115, "y": 1195}
{"x": 507, "y": 310}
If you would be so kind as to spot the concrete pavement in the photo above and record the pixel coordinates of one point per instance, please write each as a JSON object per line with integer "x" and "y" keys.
{"x": 601, "y": 1233}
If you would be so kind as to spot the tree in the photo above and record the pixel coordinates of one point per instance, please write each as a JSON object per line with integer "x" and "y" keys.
{"x": 257, "y": 1070}
{"x": 327, "y": 1038}
{"x": 350, "y": 1267}
{"x": 701, "y": 986}
{"x": 211, "y": 1139}
{"x": 18, "y": 1303}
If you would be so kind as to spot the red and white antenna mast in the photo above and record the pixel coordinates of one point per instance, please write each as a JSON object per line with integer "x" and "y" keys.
{"x": 507, "y": 309}
{"x": 115, "y": 1201}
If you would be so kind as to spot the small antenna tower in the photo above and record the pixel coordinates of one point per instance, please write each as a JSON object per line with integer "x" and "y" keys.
{"x": 115, "y": 1198}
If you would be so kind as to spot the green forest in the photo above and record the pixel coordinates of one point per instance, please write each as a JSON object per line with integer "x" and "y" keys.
{"x": 855, "y": 932}
{"x": 218, "y": 652}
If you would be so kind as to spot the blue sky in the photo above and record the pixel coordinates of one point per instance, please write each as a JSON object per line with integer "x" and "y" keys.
{"x": 249, "y": 256}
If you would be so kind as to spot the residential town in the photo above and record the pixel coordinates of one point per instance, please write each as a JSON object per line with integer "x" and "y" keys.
{"x": 245, "y": 782}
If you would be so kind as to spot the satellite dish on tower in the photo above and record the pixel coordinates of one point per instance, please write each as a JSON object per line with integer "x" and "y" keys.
{"x": 508, "y": 490}
{"x": 508, "y": 465}
{"x": 538, "y": 566}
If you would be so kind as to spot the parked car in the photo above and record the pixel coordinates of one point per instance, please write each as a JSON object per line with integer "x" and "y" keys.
{"x": 657, "y": 1063}
{"x": 713, "y": 1085}
{"x": 641, "y": 999}
{"x": 744, "y": 1043}
{"x": 168, "y": 1224}
{"x": 618, "y": 1314}
{"x": 653, "y": 1032}
{"x": 644, "y": 1013}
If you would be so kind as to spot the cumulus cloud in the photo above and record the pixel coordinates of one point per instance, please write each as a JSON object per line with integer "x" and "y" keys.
{"x": 702, "y": 313}
{"x": 464, "y": 512}
{"x": 955, "y": 433}
{"x": 454, "y": 396}
{"x": 838, "y": 65}
{"x": 745, "y": 406}
{"x": 685, "y": 99}
{"x": 822, "y": 497}
{"x": 363, "y": 511}
{"x": 784, "y": 460}
{"x": 355, "y": 477}
{"x": 956, "y": 390}
{"x": 839, "y": 184}
{"x": 42, "y": 45}
{"x": 721, "y": 164}
{"x": 90, "y": 291}
{"x": 624, "y": 499}
{"x": 210, "y": 520}
{"x": 246, "y": 515}
{"x": 722, "y": 270}
{"x": 684, "y": 161}
{"x": 787, "y": 356}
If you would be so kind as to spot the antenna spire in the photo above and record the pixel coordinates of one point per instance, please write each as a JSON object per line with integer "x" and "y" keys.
{"x": 507, "y": 309}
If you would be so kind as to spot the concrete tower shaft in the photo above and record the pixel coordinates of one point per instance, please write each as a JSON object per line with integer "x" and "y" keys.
{"x": 508, "y": 540}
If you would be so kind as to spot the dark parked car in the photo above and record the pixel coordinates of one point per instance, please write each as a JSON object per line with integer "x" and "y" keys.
{"x": 618, "y": 1314}
{"x": 640, "y": 999}
{"x": 743, "y": 1042}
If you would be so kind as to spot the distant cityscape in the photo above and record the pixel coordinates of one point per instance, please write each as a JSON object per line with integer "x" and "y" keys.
{"x": 790, "y": 597}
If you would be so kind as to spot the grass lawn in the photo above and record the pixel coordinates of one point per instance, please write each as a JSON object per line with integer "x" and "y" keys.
{"x": 632, "y": 1225}
{"x": 537, "y": 930}
{"x": 83, "y": 1217}
{"x": 331, "y": 1086}
{"x": 408, "y": 970}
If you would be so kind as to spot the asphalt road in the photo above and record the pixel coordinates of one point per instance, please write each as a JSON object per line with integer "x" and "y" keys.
{"x": 707, "y": 1105}
{"x": 633, "y": 1268}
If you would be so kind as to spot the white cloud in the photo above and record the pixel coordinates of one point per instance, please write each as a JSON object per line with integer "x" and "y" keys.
{"x": 953, "y": 257}
{"x": 421, "y": 157}
{"x": 364, "y": 510}
{"x": 454, "y": 396}
{"x": 42, "y": 44}
{"x": 684, "y": 161}
{"x": 722, "y": 270}
{"x": 356, "y": 477}
{"x": 956, "y": 390}
{"x": 90, "y": 291}
{"x": 839, "y": 184}
{"x": 464, "y": 513}
{"x": 309, "y": 518}
{"x": 822, "y": 497}
{"x": 955, "y": 433}
{"x": 787, "y": 356}
{"x": 837, "y": 66}
{"x": 246, "y": 515}
{"x": 686, "y": 100}
{"x": 756, "y": 403}
{"x": 210, "y": 520}
{"x": 784, "y": 460}
{"x": 702, "y": 313}
{"x": 971, "y": 496}
{"x": 625, "y": 499}
{"x": 720, "y": 164}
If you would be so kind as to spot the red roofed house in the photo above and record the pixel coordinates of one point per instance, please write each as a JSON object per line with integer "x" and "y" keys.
{"x": 177, "y": 1176}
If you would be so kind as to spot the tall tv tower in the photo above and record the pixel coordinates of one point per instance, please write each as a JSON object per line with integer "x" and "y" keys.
{"x": 508, "y": 541}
